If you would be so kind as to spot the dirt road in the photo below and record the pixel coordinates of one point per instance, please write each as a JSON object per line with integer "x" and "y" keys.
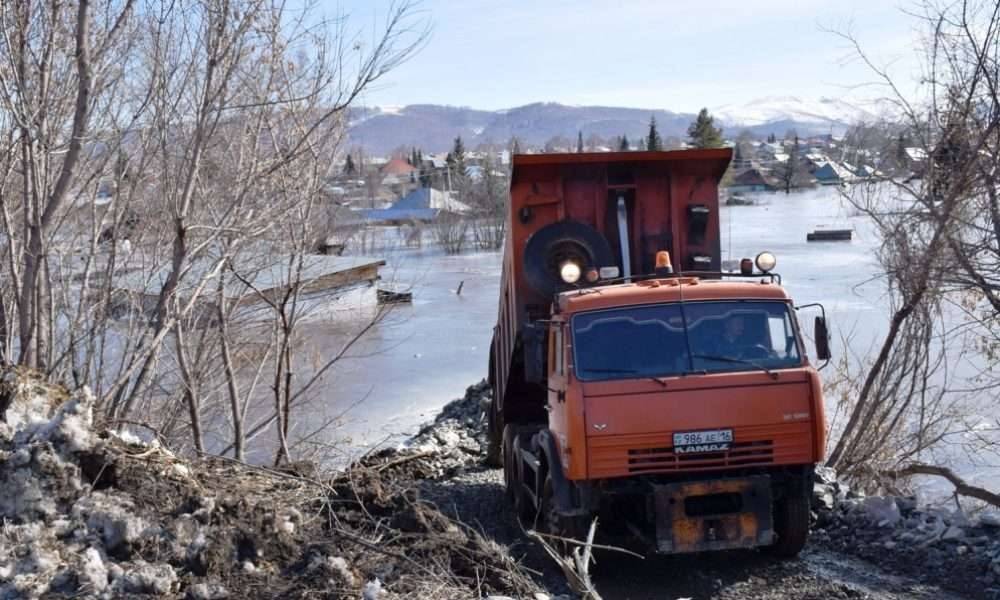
{"x": 476, "y": 497}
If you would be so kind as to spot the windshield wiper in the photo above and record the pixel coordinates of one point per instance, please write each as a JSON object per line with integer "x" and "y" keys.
{"x": 742, "y": 361}
{"x": 658, "y": 380}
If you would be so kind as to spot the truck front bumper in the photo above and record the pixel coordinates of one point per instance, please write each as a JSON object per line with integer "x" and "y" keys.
{"x": 713, "y": 515}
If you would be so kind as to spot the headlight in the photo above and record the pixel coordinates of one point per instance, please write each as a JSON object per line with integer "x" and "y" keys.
{"x": 766, "y": 261}
{"x": 570, "y": 272}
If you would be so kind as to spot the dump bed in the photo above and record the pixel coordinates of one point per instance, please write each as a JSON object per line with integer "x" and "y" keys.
{"x": 600, "y": 210}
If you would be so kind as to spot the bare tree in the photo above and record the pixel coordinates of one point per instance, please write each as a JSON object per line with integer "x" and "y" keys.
{"x": 143, "y": 147}
{"x": 791, "y": 174}
{"x": 940, "y": 241}
{"x": 451, "y": 231}
{"x": 488, "y": 197}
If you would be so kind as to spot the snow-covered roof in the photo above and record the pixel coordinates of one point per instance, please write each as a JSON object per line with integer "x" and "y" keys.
{"x": 916, "y": 154}
{"x": 438, "y": 162}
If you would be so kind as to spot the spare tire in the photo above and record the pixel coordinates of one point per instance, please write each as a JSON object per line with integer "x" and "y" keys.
{"x": 555, "y": 243}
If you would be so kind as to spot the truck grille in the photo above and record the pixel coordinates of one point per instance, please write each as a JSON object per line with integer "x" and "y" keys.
{"x": 762, "y": 445}
{"x": 643, "y": 460}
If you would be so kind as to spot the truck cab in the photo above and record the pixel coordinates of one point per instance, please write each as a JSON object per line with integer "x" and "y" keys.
{"x": 679, "y": 402}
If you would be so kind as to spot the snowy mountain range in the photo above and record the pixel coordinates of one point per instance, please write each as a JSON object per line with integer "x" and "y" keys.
{"x": 823, "y": 111}
{"x": 433, "y": 127}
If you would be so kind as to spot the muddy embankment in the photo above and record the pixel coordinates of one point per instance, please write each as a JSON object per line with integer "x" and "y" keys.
{"x": 88, "y": 513}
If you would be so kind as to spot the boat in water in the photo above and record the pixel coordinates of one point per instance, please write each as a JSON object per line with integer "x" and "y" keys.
{"x": 824, "y": 234}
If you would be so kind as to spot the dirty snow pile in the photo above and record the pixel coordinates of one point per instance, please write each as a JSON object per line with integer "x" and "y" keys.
{"x": 57, "y": 536}
{"x": 457, "y": 439}
{"x": 937, "y": 545}
{"x": 97, "y": 514}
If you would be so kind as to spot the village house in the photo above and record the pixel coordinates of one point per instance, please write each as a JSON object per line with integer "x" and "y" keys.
{"x": 399, "y": 175}
{"x": 916, "y": 159}
{"x": 832, "y": 174}
{"x": 751, "y": 180}
{"x": 423, "y": 205}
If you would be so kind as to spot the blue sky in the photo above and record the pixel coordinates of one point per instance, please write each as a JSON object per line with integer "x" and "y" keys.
{"x": 671, "y": 54}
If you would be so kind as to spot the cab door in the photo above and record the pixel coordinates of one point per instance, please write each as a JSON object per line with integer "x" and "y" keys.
{"x": 557, "y": 383}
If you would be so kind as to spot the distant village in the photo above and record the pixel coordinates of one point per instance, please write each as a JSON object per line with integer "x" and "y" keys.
{"x": 461, "y": 190}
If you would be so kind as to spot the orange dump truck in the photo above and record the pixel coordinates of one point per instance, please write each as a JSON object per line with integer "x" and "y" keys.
{"x": 632, "y": 377}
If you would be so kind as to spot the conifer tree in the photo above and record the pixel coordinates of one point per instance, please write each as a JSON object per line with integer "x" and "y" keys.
{"x": 623, "y": 146}
{"x": 456, "y": 158}
{"x": 579, "y": 141}
{"x": 349, "y": 168}
{"x": 653, "y": 141}
{"x": 703, "y": 132}
{"x": 901, "y": 150}
{"x": 456, "y": 165}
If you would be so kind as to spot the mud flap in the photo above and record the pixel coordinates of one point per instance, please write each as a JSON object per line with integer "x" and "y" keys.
{"x": 713, "y": 515}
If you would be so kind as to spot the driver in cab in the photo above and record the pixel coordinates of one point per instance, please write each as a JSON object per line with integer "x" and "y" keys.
{"x": 735, "y": 342}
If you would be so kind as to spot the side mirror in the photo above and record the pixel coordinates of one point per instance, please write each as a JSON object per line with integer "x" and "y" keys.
{"x": 533, "y": 341}
{"x": 822, "y": 336}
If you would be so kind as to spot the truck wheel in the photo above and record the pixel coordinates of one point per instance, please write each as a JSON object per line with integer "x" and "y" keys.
{"x": 791, "y": 523}
{"x": 509, "y": 475}
{"x": 560, "y": 525}
{"x": 523, "y": 506}
{"x": 494, "y": 443}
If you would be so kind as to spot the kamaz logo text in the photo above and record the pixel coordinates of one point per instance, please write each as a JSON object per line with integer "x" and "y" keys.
{"x": 701, "y": 448}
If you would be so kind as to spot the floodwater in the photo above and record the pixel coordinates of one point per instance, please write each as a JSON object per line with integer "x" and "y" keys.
{"x": 420, "y": 356}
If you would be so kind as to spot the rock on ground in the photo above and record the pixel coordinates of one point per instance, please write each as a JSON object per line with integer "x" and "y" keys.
{"x": 933, "y": 546}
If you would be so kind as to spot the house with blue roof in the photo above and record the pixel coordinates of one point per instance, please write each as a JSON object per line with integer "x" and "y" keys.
{"x": 422, "y": 204}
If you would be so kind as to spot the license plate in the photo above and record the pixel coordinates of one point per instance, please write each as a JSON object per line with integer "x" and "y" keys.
{"x": 714, "y": 440}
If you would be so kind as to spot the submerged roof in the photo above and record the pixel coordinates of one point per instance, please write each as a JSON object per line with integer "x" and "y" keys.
{"x": 655, "y": 291}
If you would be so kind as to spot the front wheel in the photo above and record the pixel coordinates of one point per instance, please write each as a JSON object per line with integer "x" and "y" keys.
{"x": 570, "y": 528}
{"x": 791, "y": 523}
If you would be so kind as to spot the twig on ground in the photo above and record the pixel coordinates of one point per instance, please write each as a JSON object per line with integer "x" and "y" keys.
{"x": 405, "y": 459}
{"x": 575, "y": 567}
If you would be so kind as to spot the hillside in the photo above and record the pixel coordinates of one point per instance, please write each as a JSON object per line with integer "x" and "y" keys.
{"x": 433, "y": 127}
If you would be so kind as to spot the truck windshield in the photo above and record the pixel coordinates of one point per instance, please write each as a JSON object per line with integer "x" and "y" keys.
{"x": 661, "y": 340}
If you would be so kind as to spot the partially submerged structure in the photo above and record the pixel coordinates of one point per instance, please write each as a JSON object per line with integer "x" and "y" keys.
{"x": 421, "y": 205}
{"x": 253, "y": 278}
